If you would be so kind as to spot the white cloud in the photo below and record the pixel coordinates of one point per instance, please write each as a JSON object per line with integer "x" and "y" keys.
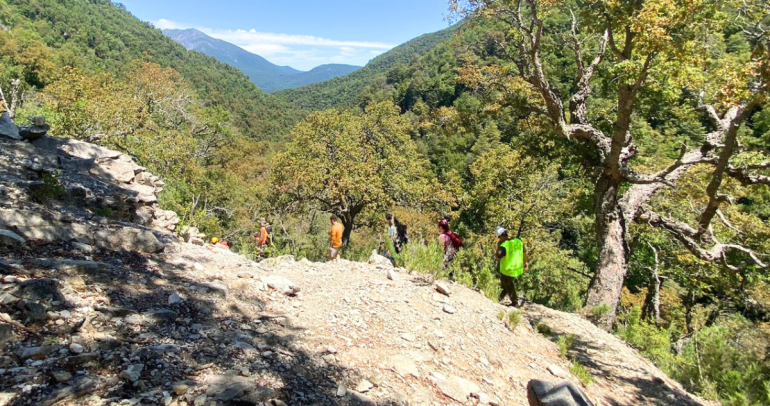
{"x": 169, "y": 25}
{"x": 299, "y": 51}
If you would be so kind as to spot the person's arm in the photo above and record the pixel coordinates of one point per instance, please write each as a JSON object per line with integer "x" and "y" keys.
{"x": 500, "y": 254}
{"x": 526, "y": 258}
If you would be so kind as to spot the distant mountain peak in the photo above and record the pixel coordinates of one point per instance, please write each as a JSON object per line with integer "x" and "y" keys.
{"x": 266, "y": 75}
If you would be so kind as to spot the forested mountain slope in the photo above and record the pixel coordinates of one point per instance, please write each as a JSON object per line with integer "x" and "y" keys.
{"x": 344, "y": 91}
{"x": 99, "y": 34}
{"x": 266, "y": 75}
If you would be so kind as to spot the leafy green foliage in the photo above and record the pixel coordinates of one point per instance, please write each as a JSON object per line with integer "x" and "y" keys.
{"x": 511, "y": 318}
{"x": 543, "y": 329}
{"x": 50, "y": 189}
{"x": 580, "y": 372}
{"x": 99, "y": 35}
{"x": 355, "y": 166}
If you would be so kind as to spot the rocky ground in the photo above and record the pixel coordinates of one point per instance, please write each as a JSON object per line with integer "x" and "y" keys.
{"x": 147, "y": 319}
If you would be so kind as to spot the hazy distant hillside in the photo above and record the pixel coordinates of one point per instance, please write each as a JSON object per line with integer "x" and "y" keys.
{"x": 343, "y": 91}
{"x": 266, "y": 75}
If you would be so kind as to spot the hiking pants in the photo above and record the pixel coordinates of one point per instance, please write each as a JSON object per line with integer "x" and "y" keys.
{"x": 508, "y": 283}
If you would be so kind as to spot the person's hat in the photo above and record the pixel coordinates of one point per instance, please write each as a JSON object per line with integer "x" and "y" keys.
{"x": 214, "y": 240}
{"x": 501, "y": 231}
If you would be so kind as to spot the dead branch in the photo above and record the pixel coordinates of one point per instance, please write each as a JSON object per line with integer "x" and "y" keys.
{"x": 690, "y": 237}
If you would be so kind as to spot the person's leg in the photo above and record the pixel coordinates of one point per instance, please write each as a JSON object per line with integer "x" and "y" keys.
{"x": 514, "y": 295}
{"x": 503, "y": 292}
{"x": 506, "y": 282}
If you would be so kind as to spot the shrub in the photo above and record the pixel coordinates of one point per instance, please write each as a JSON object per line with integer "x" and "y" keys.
{"x": 653, "y": 342}
{"x": 543, "y": 329}
{"x": 423, "y": 258}
{"x": 565, "y": 344}
{"x": 511, "y": 318}
{"x": 714, "y": 365}
{"x": 597, "y": 312}
{"x": 581, "y": 373}
{"x": 50, "y": 189}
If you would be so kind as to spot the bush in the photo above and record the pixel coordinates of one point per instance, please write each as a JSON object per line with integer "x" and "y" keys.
{"x": 543, "y": 329}
{"x": 654, "y": 343}
{"x": 565, "y": 344}
{"x": 423, "y": 258}
{"x": 510, "y": 318}
{"x": 50, "y": 189}
{"x": 596, "y": 313}
{"x": 581, "y": 373}
{"x": 714, "y": 365}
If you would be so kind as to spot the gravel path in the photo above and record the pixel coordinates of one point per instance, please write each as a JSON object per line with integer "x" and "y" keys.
{"x": 202, "y": 326}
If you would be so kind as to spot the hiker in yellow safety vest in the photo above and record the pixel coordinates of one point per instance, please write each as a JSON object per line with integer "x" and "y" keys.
{"x": 513, "y": 263}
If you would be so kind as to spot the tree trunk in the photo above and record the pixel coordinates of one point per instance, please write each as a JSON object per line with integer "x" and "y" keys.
{"x": 347, "y": 221}
{"x": 607, "y": 284}
{"x": 652, "y": 301}
{"x": 656, "y": 300}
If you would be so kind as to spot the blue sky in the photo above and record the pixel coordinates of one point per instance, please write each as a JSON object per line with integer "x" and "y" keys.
{"x": 301, "y": 33}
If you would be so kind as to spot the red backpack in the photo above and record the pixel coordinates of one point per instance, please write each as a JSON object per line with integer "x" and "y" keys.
{"x": 456, "y": 241}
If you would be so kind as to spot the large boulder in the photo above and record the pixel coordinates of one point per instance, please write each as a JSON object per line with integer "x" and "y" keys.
{"x": 120, "y": 169}
{"x": 128, "y": 239}
{"x": 78, "y": 149}
{"x": 191, "y": 233}
{"x": 377, "y": 259}
{"x": 277, "y": 262}
{"x": 281, "y": 284}
{"x": 165, "y": 220}
{"x": 37, "y": 226}
{"x": 144, "y": 215}
{"x": 46, "y": 290}
{"x": 459, "y": 389}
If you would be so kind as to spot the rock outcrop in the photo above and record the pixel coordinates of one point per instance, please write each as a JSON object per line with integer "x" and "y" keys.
{"x": 63, "y": 190}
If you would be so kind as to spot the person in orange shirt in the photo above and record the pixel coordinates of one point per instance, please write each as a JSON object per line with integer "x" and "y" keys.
{"x": 336, "y": 238}
{"x": 262, "y": 237}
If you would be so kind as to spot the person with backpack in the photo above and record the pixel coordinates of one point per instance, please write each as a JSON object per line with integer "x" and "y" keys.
{"x": 396, "y": 232}
{"x": 263, "y": 237}
{"x": 451, "y": 242}
{"x": 513, "y": 262}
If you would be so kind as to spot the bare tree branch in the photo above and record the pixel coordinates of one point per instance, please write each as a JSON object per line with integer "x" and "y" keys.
{"x": 689, "y": 237}
{"x": 729, "y": 125}
{"x": 746, "y": 178}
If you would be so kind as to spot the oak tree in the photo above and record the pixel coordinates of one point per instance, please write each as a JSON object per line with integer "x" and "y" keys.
{"x": 353, "y": 165}
{"x": 636, "y": 47}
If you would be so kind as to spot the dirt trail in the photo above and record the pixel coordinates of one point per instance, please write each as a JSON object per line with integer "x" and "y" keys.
{"x": 203, "y": 326}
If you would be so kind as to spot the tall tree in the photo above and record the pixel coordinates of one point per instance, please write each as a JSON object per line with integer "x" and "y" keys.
{"x": 353, "y": 165}
{"x": 641, "y": 46}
